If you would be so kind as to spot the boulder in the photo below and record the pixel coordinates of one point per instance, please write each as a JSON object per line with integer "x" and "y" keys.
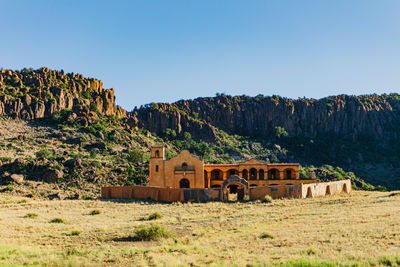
{"x": 71, "y": 117}
{"x": 18, "y": 178}
{"x": 60, "y": 195}
{"x": 52, "y": 176}
{"x": 73, "y": 163}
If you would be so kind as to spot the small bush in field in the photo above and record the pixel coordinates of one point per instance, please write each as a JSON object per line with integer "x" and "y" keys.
{"x": 95, "y": 212}
{"x": 31, "y": 215}
{"x": 57, "y": 220}
{"x": 267, "y": 199}
{"x": 266, "y": 235}
{"x": 151, "y": 233}
{"x": 75, "y": 232}
{"x": 154, "y": 216}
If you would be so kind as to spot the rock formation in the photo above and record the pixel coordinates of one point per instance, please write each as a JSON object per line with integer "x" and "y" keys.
{"x": 32, "y": 94}
{"x": 351, "y": 117}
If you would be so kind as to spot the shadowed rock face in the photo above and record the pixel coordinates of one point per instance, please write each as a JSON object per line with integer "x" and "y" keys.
{"x": 32, "y": 94}
{"x": 351, "y": 117}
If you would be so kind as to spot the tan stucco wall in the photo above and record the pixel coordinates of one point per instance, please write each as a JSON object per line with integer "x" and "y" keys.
{"x": 330, "y": 188}
{"x": 170, "y": 172}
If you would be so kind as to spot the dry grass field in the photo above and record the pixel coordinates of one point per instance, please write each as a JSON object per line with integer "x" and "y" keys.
{"x": 361, "y": 229}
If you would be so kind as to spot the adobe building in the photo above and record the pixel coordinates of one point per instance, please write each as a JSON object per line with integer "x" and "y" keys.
{"x": 188, "y": 171}
{"x": 186, "y": 178}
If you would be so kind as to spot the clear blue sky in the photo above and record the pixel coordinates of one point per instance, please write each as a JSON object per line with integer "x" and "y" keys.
{"x": 163, "y": 51}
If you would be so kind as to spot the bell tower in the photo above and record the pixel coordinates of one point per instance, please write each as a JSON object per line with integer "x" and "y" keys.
{"x": 156, "y": 172}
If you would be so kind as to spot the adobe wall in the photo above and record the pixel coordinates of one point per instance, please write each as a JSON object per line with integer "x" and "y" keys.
{"x": 216, "y": 194}
{"x": 328, "y": 188}
{"x": 143, "y": 192}
{"x": 279, "y": 191}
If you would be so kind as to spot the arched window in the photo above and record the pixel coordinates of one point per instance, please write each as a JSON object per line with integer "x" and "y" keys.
{"x": 216, "y": 175}
{"x": 273, "y": 174}
{"x": 156, "y": 168}
{"x": 157, "y": 154}
{"x": 261, "y": 174}
{"x": 184, "y": 165}
{"x": 244, "y": 174}
{"x": 184, "y": 183}
{"x": 231, "y": 172}
{"x": 288, "y": 174}
{"x": 253, "y": 174}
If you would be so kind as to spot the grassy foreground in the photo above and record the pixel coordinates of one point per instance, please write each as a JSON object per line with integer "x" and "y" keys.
{"x": 358, "y": 229}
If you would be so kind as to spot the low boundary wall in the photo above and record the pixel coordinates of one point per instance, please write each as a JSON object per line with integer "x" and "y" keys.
{"x": 216, "y": 194}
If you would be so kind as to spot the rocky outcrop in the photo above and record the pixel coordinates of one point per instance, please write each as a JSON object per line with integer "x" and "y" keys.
{"x": 32, "y": 94}
{"x": 159, "y": 117}
{"x": 350, "y": 117}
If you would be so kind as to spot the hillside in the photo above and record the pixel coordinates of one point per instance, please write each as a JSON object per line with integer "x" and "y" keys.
{"x": 64, "y": 132}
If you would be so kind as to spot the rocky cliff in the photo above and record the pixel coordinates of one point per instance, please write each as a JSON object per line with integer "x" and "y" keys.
{"x": 31, "y": 94}
{"x": 350, "y": 117}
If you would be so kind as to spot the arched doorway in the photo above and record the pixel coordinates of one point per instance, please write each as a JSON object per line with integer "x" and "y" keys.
{"x": 309, "y": 192}
{"x": 244, "y": 174}
{"x": 184, "y": 183}
{"x": 328, "y": 190}
{"x": 345, "y": 188}
{"x": 234, "y": 185}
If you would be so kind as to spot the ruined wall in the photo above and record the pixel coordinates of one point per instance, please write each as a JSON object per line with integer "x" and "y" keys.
{"x": 328, "y": 188}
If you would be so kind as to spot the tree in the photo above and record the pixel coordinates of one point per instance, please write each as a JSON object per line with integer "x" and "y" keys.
{"x": 280, "y": 132}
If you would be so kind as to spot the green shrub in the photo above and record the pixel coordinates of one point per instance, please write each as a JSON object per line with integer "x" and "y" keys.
{"x": 31, "y": 215}
{"x": 151, "y": 233}
{"x": 44, "y": 153}
{"x": 280, "y": 132}
{"x": 57, "y": 220}
{"x": 380, "y": 188}
{"x": 310, "y": 251}
{"x": 75, "y": 232}
{"x": 154, "y": 216}
{"x": 7, "y": 189}
{"x": 95, "y": 212}
{"x": 266, "y": 235}
{"x": 135, "y": 155}
{"x": 267, "y": 199}
{"x": 93, "y": 107}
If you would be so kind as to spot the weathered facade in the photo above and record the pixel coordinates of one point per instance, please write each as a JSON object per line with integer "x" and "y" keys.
{"x": 186, "y": 178}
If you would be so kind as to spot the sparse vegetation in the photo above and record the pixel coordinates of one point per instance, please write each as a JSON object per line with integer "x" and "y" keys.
{"x": 151, "y": 233}
{"x": 154, "y": 216}
{"x": 31, "y": 215}
{"x": 95, "y": 212}
{"x": 57, "y": 220}
{"x": 266, "y": 236}
{"x": 343, "y": 228}
{"x": 75, "y": 233}
{"x": 267, "y": 199}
